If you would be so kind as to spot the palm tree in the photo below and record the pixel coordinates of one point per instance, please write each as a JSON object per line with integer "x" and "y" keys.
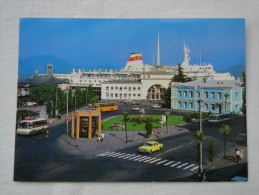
{"x": 199, "y": 136}
{"x": 225, "y": 129}
{"x": 226, "y": 95}
{"x": 125, "y": 119}
{"x": 167, "y": 115}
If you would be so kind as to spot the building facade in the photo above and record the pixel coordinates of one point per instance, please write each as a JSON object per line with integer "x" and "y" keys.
{"x": 216, "y": 96}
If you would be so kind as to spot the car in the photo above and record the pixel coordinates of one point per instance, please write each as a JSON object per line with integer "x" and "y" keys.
{"x": 156, "y": 106}
{"x": 135, "y": 108}
{"x": 117, "y": 126}
{"x": 241, "y": 137}
{"x": 127, "y": 102}
{"x": 135, "y": 103}
{"x": 150, "y": 146}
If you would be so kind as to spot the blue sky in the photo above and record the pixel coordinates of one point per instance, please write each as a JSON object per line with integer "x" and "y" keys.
{"x": 107, "y": 43}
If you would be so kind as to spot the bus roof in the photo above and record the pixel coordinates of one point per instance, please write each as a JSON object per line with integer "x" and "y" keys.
{"x": 33, "y": 120}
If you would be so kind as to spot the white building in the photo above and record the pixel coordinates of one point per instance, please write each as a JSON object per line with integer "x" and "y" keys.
{"x": 147, "y": 80}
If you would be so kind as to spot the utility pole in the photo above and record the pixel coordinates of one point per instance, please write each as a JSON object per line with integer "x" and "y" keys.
{"x": 75, "y": 99}
{"x": 56, "y": 103}
{"x": 67, "y": 113}
{"x": 201, "y": 141}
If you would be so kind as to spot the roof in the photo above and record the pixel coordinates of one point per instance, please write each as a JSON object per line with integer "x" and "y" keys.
{"x": 210, "y": 84}
{"x": 33, "y": 120}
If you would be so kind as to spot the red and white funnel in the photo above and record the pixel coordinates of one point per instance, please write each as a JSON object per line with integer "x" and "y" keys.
{"x": 135, "y": 62}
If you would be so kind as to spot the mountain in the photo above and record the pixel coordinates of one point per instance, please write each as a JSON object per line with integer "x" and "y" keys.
{"x": 28, "y": 66}
{"x": 236, "y": 71}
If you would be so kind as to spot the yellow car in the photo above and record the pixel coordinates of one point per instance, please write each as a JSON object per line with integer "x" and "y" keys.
{"x": 150, "y": 147}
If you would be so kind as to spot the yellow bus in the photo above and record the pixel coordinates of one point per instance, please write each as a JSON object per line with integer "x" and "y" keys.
{"x": 105, "y": 106}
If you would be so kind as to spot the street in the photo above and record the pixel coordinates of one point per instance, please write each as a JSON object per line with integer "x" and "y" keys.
{"x": 56, "y": 158}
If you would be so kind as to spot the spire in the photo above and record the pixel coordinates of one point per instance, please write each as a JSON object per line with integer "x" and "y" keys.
{"x": 158, "y": 51}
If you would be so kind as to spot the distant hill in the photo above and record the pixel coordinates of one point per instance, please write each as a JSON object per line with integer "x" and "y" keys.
{"x": 236, "y": 71}
{"x": 28, "y": 66}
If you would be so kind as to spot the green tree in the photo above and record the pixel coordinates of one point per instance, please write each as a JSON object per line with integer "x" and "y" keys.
{"x": 125, "y": 119}
{"x": 226, "y": 95}
{"x": 243, "y": 109}
{"x": 211, "y": 150}
{"x": 149, "y": 128}
{"x": 44, "y": 92}
{"x": 167, "y": 97}
{"x": 225, "y": 129}
{"x": 188, "y": 117}
{"x": 180, "y": 77}
{"x": 199, "y": 136}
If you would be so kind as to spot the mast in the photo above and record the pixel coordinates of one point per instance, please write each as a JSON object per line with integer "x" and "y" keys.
{"x": 158, "y": 51}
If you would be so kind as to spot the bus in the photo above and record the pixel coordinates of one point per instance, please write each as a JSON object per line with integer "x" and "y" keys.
{"x": 29, "y": 127}
{"x": 218, "y": 118}
{"x": 105, "y": 106}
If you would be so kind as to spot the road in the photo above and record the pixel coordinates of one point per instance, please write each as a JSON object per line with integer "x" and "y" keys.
{"x": 55, "y": 158}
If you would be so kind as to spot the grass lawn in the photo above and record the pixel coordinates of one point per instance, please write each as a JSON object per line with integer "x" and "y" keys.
{"x": 173, "y": 120}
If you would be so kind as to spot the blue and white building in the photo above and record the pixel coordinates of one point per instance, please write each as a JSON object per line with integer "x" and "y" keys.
{"x": 216, "y": 96}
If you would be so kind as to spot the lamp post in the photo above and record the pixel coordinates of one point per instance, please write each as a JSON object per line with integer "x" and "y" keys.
{"x": 126, "y": 114}
{"x": 67, "y": 113}
{"x": 200, "y": 101}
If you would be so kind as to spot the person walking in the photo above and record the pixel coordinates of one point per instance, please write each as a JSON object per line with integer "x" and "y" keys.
{"x": 102, "y": 137}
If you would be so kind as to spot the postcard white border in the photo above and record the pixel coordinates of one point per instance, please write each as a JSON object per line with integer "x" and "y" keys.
{"x": 12, "y": 10}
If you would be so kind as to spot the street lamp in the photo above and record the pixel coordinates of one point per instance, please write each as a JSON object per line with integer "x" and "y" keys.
{"x": 67, "y": 112}
{"x": 200, "y": 101}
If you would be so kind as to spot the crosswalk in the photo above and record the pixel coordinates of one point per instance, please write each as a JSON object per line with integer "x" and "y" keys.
{"x": 151, "y": 160}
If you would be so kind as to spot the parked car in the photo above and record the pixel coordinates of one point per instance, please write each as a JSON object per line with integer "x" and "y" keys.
{"x": 241, "y": 137}
{"x": 135, "y": 103}
{"x": 117, "y": 126}
{"x": 156, "y": 106}
{"x": 135, "y": 108}
{"x": 150, "y": 146}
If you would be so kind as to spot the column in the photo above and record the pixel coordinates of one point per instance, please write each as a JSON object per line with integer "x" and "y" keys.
{"x": 77, "y": 126}
{"x": 90, "y": 127}
{"x": 99, "y": 126}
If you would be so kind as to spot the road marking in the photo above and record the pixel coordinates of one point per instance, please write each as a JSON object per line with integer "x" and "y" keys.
{"x": 114, "y": 155}
{"x": 169, "y": 163}
{"x": 173, "y": 165}
{"x": 110, "y": 153}
{"x": 134, "y": 157}
{"x": 182, "y": 165}
{"x": 149, "y": 159}
{"x": 194, "y": 168}
{"x": 189, "y": 166}
{"x": 125, "y": 155}
{"x": 129, "y": 156}
{"x": 161, "y": 162}
{"x": 103, "y": 154}
{"x": 155, "y": 160}
{"x": 142, "y": 158}
{"x": 169, "y": 150}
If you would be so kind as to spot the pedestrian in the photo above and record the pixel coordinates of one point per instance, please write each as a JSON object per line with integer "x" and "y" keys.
{"x": 204, "y": 175}
{"x": 102, "y": 137}
{"x": 237, "y": 154}
{"x": 99, "y": 139}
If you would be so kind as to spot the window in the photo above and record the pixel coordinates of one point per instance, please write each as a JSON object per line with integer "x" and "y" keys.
{"x": 134, "y": 88}
{"x": 107, "y": 88}
{"x": 185, "y": 104}
{"x": 116, "y": 88}
{"x": 138, "y": 95}
{"x": 185, "y": 93}
{"x": 219, "y": 95}
{"x": 206, "y": 94}
{"x": 191, "y": 105}
{"x": 236, "y": 95}
{"x": 107, "y": 95}
{"x": 179, "y": 104}
{"x": 212, "y": 106}
{"x": 134, "y": 94}
{"x": 206, "y": 106}
{"x": 198, "y": 94}
{"x": 129, "y": 88}
{"x": 125, "y": 88}
{"x": 116, "y": 95}
{"x": 125, "y": 95}
{"x": 120, "y": 88}
{"x": 191, "y": 94}
{"x": 139, "y": 88}
{"x": 111, "y": 95}
{"x": 212, "y": 95}
{"x": 179, "y": 93}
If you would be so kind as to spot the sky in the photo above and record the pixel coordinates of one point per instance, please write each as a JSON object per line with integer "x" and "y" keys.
{"x": 107, "y": 43}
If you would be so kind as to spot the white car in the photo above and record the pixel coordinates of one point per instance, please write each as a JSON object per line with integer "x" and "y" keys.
{"x": 135, "y": 108}
{"x": 156, "y": 106}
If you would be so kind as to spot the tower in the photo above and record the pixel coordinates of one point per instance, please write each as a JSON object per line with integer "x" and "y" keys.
{"x": 158, "y": 52}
